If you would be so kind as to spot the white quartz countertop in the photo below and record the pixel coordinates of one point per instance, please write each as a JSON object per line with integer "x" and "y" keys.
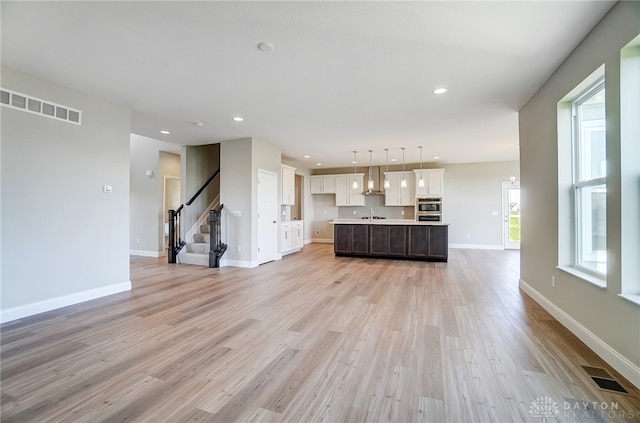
{"x": 409, "y": 222}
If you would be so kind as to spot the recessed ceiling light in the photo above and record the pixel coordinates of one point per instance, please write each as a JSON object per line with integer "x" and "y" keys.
{"x": 164, "y": 132}
{"x": 440, "y": 90}
{"x": 265, "y": 47}
{"x": 318, "y": 164}
{"x": 354, "y": 162}
{"x": 436, "y": 157}
{"x": 394, "y": 160}
{"x": 306, "y": 156}
{"x": 200, "y": 124}
{"x": 238, "y": 118}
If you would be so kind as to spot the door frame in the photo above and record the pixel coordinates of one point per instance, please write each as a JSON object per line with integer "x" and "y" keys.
{"x": 508, "y": 245}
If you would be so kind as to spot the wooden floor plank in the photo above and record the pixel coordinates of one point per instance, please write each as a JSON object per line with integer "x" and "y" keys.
{"x": 312, "y": 337}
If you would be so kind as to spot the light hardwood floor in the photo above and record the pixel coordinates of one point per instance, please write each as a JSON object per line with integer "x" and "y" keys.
{"x": 309, "y": 338}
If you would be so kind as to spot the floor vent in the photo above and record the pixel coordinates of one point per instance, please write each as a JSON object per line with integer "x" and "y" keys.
{"x": 26, "y": 103}
{"x": 604, "y": 380}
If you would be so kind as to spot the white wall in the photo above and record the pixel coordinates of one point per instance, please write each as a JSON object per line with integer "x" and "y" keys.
{"x": 472, "y": 194}
{"x": 236, "y": 195}
{"x": 240, "y": 160}
{"x": 146, "y": 209}
{"x": 63, "y": 239}
{"x": 605, "y": 321}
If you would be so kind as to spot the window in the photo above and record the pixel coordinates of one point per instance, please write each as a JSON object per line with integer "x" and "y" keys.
{"x": 630, "y": 169}
{"x": 589, "y": 187}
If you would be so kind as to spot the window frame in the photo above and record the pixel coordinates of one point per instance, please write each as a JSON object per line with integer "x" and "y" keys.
{"x": 579, "y": 184}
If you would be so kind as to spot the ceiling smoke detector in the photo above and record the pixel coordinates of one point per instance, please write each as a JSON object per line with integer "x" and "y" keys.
{"x": 265, "y": 47}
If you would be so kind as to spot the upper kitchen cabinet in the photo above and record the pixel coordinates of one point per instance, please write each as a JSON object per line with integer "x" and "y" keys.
{"x": 395, "y": 195}
{"x": 433, "y": 182}
{"x": 323, "y": 184}
{"x": 346, "y": 194}
{"x": 288, "y": 185}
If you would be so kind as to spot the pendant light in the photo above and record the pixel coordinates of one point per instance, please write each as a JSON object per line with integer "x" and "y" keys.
{"x": 421, "y": 181}
{"x": 370, "y": 182}
{"x": 355, "y": 182}
{"x": 403, "y": 182}
{"x": 387, "y": 184}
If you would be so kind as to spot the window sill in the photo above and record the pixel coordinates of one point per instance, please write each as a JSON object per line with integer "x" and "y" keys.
{"x": 600, "y": 283}
{"x": 633, "y": 298}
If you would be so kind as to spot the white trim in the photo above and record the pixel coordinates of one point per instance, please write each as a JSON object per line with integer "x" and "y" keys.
{"x": 238, "y": 263}
{"x": 308, "y": 241}
{"x": 587, "y": 277}
{"x": 477, "y": 246}
{"x": 616, "y": 360}
{"x": 38, "y": 307}
{"x": 145, "y": 253}
{"x": 632, "y": 298}
{"x": 322, "y": 240}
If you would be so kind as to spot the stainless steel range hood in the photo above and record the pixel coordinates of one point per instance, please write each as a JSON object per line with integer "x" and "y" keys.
{"x": 375, "y": 176}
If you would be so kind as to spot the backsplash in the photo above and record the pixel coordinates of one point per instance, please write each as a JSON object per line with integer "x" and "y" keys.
{"x": 379, "y": 209}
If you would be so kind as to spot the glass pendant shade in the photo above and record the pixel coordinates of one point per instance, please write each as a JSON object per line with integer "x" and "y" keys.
{"x": 355, "y": 182}
{"x": 403, "y": 182}
{"x": 387, "y": 184}
{"x": 421, "y": 181}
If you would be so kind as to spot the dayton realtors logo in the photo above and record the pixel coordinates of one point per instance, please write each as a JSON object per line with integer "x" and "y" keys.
{"x": 544, "y": 407}
{"x": 547, "y": 408}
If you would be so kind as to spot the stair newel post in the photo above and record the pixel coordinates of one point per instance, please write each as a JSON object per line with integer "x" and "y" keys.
{"x": 172, "y": 236}
{"x": 213, "y": 242}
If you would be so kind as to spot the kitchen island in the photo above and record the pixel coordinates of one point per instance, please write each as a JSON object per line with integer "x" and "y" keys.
{"x": 391, "y": 238}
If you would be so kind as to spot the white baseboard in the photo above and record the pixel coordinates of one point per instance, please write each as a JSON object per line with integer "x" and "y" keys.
{"x": 38, "y": 307}
{"x": 238, "y": 263}
{"x": 477, "y": 246}
{"x": 322, "y": 240}
{"x": 616, "y": 360}
{"x": 144, "y": 253}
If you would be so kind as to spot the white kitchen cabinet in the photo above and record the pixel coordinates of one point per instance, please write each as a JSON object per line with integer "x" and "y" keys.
{"x": 286, "y": 232}
{"x": 346, "y": 195}
{"x": 395, "y": 195}
{"x": 297, "y": 240}
{"x": 433, "y": 182}
{"x": 288, "y": 185}
{"x": 291, "y": 236}
{"x": 323, "y": 184}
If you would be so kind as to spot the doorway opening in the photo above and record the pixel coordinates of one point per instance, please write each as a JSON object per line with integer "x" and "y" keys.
{"x": 511, "y": 213}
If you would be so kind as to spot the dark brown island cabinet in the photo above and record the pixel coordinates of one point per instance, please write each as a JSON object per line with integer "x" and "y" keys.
{"x": 398, "y": 241}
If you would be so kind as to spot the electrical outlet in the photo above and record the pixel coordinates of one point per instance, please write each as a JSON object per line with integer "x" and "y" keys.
{"x": 354, "y": 212}
{"x": 468, "y": 236}
{"x": 239, "y": 248}
{"x": 402, "y": 212}
{"x": 553, "y": 281}
{"x": 138, "y": 240}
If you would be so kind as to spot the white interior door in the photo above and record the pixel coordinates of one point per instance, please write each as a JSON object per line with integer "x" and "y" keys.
{"x": 267, "y": 216}
{"x": 511, "y": 213}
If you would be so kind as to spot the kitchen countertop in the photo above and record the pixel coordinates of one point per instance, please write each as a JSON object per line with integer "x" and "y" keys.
{"x": 408, "y": 222}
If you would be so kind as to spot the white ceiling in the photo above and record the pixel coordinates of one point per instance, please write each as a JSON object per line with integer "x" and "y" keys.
{"x": 343, "y": 76}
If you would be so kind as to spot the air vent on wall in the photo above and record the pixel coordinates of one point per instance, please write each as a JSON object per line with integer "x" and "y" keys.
{"x": 19, "y": 101}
